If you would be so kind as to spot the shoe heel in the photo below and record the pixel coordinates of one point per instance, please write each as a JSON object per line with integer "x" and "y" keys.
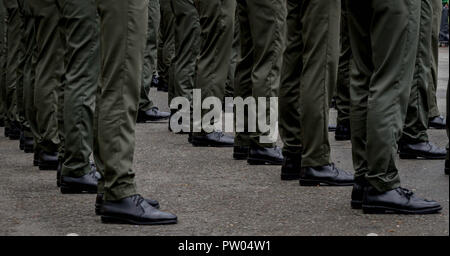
{"x": 28, "y": 149}
{"x": 255, "y": 162}
{"x": 66, "y": 190}
{"x": 407, "y": 156}
{"x": 308, "y": 183}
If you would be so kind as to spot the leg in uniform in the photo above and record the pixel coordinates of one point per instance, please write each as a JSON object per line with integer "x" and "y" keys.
{"x": 320, "y": 26}
{"x": 414, "y": 142}
{"x": 186, "y": 29}
{"x": 13, "y": 54}
{"x": 435, "y": 118}
{"x": 216, "y": 22}
{"x": 343, "y": 81}
{"x": 258, "y": 74}
{"x": 166, "y": 47}
{"x": 380, "y": 88}
{"x": 123, "y": 30}
{"x": 2, "y": 64}
{"x": 48, "y": 81}
{"x": 147, "y": 110}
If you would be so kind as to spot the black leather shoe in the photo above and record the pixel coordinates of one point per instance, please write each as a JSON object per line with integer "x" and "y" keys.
{"x": 342, "y": 132}
{"x": 162, "y": 86}
{"x": 14, "y": 132}
{"x": 48, "y": 161}
{"x": 263, "y": 156}
{"x": 398, "y": 200}
{"x": 292, "y": 163}
{"x": 357, "y": 196}
{"x": 329, "y": 175}
{"x": 331, "y": 128}
{"x": 214, "y": 139}
{"x": 6, "y": 132}
{"x": 447, "y": 167}
{"x": 425, "y": 150}
{"x": 155, "y": 81}
{"x": 2, "y": 123}
{"x": 99, "y": 202}
{"x": 152, "y": 115}
{"x": 240, "y": 153}
{"x": 134, "y": 210}
{"x": 84, "y": 184}
{"x": 437, "y": 122}
{"x": 26, "y": 143}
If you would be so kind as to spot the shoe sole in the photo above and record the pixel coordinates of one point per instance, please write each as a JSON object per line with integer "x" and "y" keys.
{"x": 210, "y": 145}
{"x": 315, "y": 183}
{"x": 372, "y": 209}
{"x": 118, "y": 220}
{"x": 256, "y": 161}
{"x": 406, "y": 156}
{"x": 152, "y": 120}
{"x": 48, "y": 167}
{"x": 76, "y": 190}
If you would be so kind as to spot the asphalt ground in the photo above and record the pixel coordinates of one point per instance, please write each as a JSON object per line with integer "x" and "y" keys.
{"x": 212, "y": 194}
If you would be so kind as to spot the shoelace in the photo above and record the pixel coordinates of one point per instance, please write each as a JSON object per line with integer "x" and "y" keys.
{"x": 406, "y": 192}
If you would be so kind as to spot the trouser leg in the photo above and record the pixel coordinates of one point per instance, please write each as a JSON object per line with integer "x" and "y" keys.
{"x": 380, "y": 84}
{"x": 12, "y": 60}
{"x": 123, "y": 37}
{"x": 343, "y": 78}
{"x": 187, "y": 47}
{"x": 166, "y": 48}
{"x": 49, "y": 71}
{"x": 3, "y": 15}
{"x": 81, "y": 80}
{"x": 259, "y": 71}
{"x": 289, "y": 99}
{"x": 432, "y": 88}
{"x": 235, "y": 55}
{"x": 416, "y": 124}
{"x": 216, "y": 22}
{"x": 320, "y": 32}
{"x": 150, "y": 55}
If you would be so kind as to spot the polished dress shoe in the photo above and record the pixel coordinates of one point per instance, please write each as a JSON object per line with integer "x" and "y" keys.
{"x": 263, "y": 156}
{"x": 134, "y": 210}
{"x": 48, "y": 161}
{"x": 342, "y": 132}
{"x": 214, "y": 139}
{"x": 14, "y": 132}
{"x": 437, "y": 122}
{"x": 240, "y": 153}
{"x": 6, "y": 132}
{"x": 2, "y": 123}
{"x": 155, "y": 81}
{"x": 399, "y": 200}
{"x": 162, "y": 86}
{"x": 331, "y": 128}
{"x": 84, "y": 184}
{"x": 292, "y": 163}
{"x": 328, "y": 174}
{"x": 152, "y": 114}
{"x": 99, "y": 202}
{"x": 26, "y": 143}
{"x": 425, "y": 150}
{"x": 357, "y": 195}
{"x": 59, "y": 170}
